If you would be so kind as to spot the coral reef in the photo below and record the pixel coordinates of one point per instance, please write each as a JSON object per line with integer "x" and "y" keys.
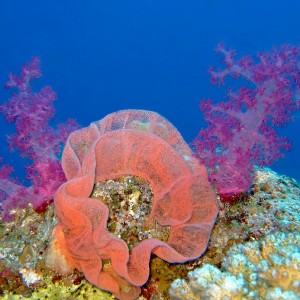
{"x": 143, "y": 144}
{"x": 276, "y": 205}
{"x": 129, "y": 201}
{"x": 272, "y": 205}
{"x": 241, "y": 131}
{"x": 23, "y": 241}
{"x": 24, "y": 245}
{"x": 136, "y": 199}
{"x": 268, "y": 269}
{"x": 248, "y": 219}
{"x": 268, "y": 217}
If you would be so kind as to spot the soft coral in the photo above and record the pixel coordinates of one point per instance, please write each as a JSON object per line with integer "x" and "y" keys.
{"x": 31, "y": 113}
{"x": 240, "y": 132}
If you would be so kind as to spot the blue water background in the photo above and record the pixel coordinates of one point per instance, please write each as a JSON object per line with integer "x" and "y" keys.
{"x": 103, "y": 56}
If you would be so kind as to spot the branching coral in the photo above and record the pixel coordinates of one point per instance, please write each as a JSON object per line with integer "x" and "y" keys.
{"x": 146, "y": 145}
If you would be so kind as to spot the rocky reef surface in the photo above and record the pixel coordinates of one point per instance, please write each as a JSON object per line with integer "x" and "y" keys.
{"x": 254, "y": 251}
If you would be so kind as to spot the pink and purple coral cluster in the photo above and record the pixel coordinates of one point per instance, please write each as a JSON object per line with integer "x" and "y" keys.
{"x": 34, "y": 139}
{"x": 240, "y": 132}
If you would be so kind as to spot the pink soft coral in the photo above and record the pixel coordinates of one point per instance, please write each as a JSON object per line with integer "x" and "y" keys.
{"x": 31, "y": 113}
{"x": 240, "y": 132}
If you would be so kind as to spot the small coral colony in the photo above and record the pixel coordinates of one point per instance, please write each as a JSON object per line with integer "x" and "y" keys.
{"x": 125, "y": 209}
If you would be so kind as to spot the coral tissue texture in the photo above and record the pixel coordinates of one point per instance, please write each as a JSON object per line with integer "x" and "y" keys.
{"x": 268, "y": 269}
{"x": 143, "y": 144}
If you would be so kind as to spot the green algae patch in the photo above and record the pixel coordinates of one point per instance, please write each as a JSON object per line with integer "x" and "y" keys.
{"x": 64, "y": 291}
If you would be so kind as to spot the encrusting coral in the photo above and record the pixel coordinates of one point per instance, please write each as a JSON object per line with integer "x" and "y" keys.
{"x": 269, "y": 269}
{"x": 143, "y": 144}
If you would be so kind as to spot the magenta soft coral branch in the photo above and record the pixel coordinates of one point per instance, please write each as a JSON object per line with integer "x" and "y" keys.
{"x": 31, "y": 113}
{"x": 240, "y": 132}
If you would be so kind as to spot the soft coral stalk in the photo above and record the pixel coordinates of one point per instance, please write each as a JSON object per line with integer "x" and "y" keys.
{"x": 31, "y": 113}
{"x": 240, "y": 132}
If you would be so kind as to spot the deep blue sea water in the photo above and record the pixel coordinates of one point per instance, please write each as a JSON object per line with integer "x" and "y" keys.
{"x": 103, "y": 56}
